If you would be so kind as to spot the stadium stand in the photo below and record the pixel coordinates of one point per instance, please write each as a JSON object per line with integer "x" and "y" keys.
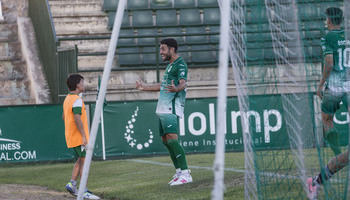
{"x": 159, "y": 4}
{"x": 195, "y": 24}
{"x": 184, "y": 3}
{"x": 211, "y": 16}
{"x": 142, "y": 19}
{"x": 207, "y": 3}
{"x": 15, "y": 84}
{"x": 137, "y": 4}
{"x": 166, "y": 18}
{"x": 125, "y": 22}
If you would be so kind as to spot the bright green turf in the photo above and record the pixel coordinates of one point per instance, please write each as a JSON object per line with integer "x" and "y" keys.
{"x": 125, "y": 179}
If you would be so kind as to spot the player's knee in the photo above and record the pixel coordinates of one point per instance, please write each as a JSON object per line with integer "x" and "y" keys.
{"x": 171, "y": 136}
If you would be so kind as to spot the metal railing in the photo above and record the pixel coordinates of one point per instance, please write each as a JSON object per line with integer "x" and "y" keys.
{"x": 57, "y": 62}
{"x": 67, "y": 64}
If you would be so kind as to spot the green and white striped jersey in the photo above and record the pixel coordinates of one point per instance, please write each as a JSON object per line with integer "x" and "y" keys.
{"x": 173, "y": 102}
{"x": 335, "y": 43}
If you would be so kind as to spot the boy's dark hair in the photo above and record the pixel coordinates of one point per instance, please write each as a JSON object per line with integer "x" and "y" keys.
{"x": 170, "y": 42}
{"x": 335, "y": 15}
{"x": 73, "y": 80}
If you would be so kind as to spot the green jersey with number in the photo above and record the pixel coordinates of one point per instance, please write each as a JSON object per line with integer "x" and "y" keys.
{"x": 170, "y": 102}
{"x": 334, "y": 43}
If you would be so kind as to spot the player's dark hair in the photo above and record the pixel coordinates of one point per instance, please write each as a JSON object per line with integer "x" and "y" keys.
{"x": 73, "y": 80}
{"x": 335, "y": 15}
{"x": 170, "y": 42}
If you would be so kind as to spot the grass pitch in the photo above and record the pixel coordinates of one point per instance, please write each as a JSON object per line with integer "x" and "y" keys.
{"x": 137, "y": 178}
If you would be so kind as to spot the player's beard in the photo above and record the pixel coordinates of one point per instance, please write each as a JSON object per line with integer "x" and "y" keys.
{"x": 167, "y": 57}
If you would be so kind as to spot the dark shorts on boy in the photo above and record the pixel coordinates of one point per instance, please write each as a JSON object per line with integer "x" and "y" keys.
{"x": 79, "y": 152}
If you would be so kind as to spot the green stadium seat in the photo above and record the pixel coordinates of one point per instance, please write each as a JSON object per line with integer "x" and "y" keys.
{"x": 202, "y": 54}
{"x": 111, "y": 17}
{"x": 166, "y": 18}
{"x": 257, "y": 27}
{"x": 126, "y": 41}
{"x": 129, "y": 50}
{"x": 214, "y": 39}
{"x": 151, "y": 40}
{"x": 257, "y": 14}
{"x": 129, "y": 56}
{"x": 284, "y": 12}
{"x": 142, "y": 19}
{"x": 268, "y": 53}
{"x": 258, "y": 37}
{"x": 324, "y": 5}
{"x": 250, "y": 2}
{"x": 214, "y": 29}
{"x": 190, "y": 17}
{"x": 308, "y": 12}
{"x": 207, "y": 3}
{"x": 149, "y": 55}
{"x": 316, "y": 34}
{"x": 313, "y": 25}
{"x": 315, "y": 42}
{"x": 137, "y": 4}
{"x": 159, "y": 4}
{"x": 175, "y": 33}
{"x": 185, "y": 3}
{"x": 254, "y": 55}
{"x": 149, "y": 50}
{"x": 196, "y": 39}
{"x": 129, "y": 59}
{"x": 211, "y": 16}
{"x": 316, "y": 53}
{"x": 147, "y": 31}
{"x": 110, "y": 5}
{"x": 184, "y": 53}
{"x": 126, "y": 32}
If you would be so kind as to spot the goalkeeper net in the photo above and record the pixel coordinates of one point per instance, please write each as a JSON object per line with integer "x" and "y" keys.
{"x": 275, "y": 54}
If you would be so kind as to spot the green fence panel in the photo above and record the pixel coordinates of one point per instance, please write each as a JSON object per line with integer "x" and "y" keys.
{"x": 131, "y": 128}
{"x": 67, "y": 64}
{"x": 36, "y": 133}
{"x": 32, "y": 133}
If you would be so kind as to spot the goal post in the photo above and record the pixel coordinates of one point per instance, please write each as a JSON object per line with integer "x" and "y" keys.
{"x": 101, "y": 96}
{"x": 219, "y": 187}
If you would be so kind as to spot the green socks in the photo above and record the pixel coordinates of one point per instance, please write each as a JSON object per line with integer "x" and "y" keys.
{"x": 172, "y": 155}
{"x": 332, "y": 138}
{"x": 178, "y": 154}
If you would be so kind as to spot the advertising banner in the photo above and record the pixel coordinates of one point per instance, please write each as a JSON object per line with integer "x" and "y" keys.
{"x": 36, "y": 133}
{"x": 32, "y": 133}
{"x": 132, "y": 128}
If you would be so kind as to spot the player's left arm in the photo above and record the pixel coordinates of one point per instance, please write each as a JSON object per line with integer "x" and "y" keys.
{"x": 327, "y": 68}
{"x": 172, "y": 88}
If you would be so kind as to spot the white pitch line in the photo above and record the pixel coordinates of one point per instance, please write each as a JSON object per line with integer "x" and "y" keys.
{"x": 211, "y": 169}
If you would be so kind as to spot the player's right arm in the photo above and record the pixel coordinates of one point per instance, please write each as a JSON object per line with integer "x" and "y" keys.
{"x": 140, "y": 85}
{"x": 80, "y": 127}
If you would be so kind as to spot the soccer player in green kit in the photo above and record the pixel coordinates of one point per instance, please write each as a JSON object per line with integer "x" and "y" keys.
{"x": 170, "y": 107}
{"x": 333, "y": 88}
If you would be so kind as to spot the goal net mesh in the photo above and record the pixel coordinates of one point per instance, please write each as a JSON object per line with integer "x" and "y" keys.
{"x": 275, "y": 55}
